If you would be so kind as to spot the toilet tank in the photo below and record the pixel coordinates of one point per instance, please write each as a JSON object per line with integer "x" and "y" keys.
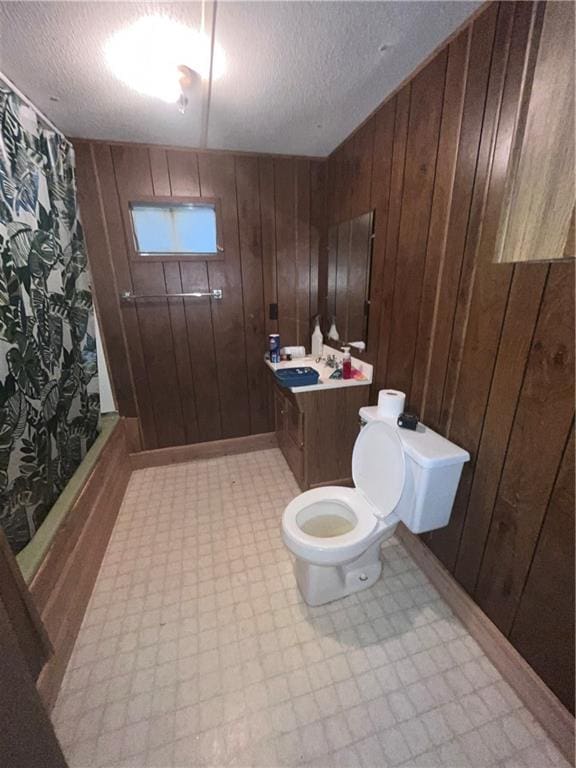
{"x": 433, "y": 470}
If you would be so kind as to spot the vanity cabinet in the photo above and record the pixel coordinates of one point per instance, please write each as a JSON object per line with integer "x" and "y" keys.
{"x": 316, "y": 432}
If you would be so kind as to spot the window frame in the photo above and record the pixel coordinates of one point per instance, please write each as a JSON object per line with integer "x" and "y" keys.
{"x": 161, "y": 201}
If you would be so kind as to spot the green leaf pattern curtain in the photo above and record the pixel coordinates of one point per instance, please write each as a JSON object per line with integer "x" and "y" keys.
{"x": 49, "y": 402}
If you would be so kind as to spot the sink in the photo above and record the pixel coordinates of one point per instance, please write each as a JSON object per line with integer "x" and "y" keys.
{"x": 325, "y": 371}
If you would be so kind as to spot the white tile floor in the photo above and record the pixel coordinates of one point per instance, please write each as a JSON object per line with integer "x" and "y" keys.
{"x": 197, "y": 650}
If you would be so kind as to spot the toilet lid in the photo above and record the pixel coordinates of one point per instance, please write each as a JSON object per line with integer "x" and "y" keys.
{"x": 378, "y": 466}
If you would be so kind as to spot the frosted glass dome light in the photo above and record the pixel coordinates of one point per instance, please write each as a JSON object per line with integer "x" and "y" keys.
{"x": 149, "y": 54}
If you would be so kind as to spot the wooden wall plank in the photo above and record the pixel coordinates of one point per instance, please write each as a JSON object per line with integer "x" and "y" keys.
{"x": 179, "y": 328}
{"x": 159, "y": 172}
{"x": 133, "y": 177}
{"x": 268, "y": 225}
{"x": 159, "y": 353}
{"x": 481, "y": 305}
{"x": 341, "y": 277}
{"x": 285, "y": 215}
{"x": 361, "y": 229}
{"x": 333, "y": 188}
{"x": 521, "y": 314}
{"x": 202, "y": 346}
{"x": 443, "y": 200}
{"x": 489, "y": 35}
{"x": 543, "y": 418}
{"x": 331, "y": 274}
{"x": 217, "y": 180}
{"x": 318, "y": 233}
{"x": 246, "y": 170}
{"x": 344, "y": 173}
{"x": 162, "y": 185}
{"x": 120, "y": 279}
{"x": 420, "y": 168}
{"x": 95, "y": 227}
{"x": 379, "y": 201}
{"x": 391, "y": 249}
{"x": 548, "y": 598}
{"x": 192, "y": 320}
{"x": 468, "y": 149}
{"x": 302, "y": 254}
{"x": 361, "y": 170}
{"x": 184, "y": 173}
{"x": 536, "y": 221}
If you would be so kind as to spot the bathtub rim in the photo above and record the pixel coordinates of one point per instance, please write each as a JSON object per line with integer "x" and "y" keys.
{"x": 30, "y": 558}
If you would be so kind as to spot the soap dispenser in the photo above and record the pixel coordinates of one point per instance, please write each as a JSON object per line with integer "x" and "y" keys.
{"x": 346, "y": 363}
{"x": 333, "y": 334}
{"x": 317, "y": 339}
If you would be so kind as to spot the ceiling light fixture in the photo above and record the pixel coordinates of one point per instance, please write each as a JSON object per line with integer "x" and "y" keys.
{"x": 157, "y": 56}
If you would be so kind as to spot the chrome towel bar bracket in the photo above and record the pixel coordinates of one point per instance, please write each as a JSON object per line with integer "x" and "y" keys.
{"x": 215, "y": 293}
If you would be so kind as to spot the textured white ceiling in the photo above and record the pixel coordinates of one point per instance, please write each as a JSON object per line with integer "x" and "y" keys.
{"x": 300, "y": 76}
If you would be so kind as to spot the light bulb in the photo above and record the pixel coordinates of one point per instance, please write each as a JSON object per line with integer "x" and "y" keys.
{"x": 154, "y": 53}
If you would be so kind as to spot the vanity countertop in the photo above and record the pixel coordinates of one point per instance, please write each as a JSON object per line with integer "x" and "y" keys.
{"x": 325, "y": 382}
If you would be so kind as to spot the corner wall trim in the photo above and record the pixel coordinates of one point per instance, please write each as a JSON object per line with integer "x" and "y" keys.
{"x": 533, "y": 692}
{"x": 182, "y": 453}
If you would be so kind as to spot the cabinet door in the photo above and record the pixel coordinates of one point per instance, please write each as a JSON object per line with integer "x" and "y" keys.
{"x": 289, "y": 433}
{"x": 294, "y": 423}
{"x": 279, "y": 416}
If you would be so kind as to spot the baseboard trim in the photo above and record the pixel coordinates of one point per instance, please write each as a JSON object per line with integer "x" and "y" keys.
{"x": 133, "y": 435}
{"x": 345, "y": 481}
{"x": 530, "y": 688}
{"x": 182, "y": 453}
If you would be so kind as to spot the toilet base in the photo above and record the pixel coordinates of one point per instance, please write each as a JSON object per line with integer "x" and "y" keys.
{"x": 320, "y": 584}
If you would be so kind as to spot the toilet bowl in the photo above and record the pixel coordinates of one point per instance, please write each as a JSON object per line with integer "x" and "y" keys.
{"x": 335, "y": 533}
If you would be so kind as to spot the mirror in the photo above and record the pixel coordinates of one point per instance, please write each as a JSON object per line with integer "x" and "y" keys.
{"x": 349, "y": 262}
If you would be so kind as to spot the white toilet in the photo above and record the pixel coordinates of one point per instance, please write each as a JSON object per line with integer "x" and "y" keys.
{"x": 335, "y": 533}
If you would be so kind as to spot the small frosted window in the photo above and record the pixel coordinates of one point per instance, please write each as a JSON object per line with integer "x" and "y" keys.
{"x": 174, "y": 228}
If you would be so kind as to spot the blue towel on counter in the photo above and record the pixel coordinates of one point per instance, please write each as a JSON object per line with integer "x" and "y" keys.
{"x": 297, "y": 377}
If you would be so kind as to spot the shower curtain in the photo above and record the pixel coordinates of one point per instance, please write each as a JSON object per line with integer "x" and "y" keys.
{"x": 49, "y": 402}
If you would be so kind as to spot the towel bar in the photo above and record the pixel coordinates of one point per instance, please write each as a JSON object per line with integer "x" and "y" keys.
{"x": 215, "y": 293}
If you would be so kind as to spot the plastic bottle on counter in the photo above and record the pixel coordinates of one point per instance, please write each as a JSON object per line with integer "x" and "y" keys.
{"x": 274, "y": 347}
{"x": 346, "y": 363}
{"x": 317, "y": 339}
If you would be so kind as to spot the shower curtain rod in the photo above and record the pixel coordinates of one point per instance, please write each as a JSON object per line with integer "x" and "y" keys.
{"x": 32, "y": 106}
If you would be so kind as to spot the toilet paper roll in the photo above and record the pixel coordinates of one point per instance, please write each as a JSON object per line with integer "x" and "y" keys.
{"x": 390, "y": 403}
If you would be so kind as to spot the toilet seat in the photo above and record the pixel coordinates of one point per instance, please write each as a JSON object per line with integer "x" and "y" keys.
{"x": 336, "y": 549}
{"x": 378, "y": 469}
{"x": 379, "y": 466}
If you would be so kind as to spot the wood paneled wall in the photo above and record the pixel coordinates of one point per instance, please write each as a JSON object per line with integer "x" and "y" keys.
{"x": 191, "y": 369}
{"x": 484, "y": 351}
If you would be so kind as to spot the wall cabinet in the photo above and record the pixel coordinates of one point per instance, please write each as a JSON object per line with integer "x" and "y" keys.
{"x": 316, "y": 432}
